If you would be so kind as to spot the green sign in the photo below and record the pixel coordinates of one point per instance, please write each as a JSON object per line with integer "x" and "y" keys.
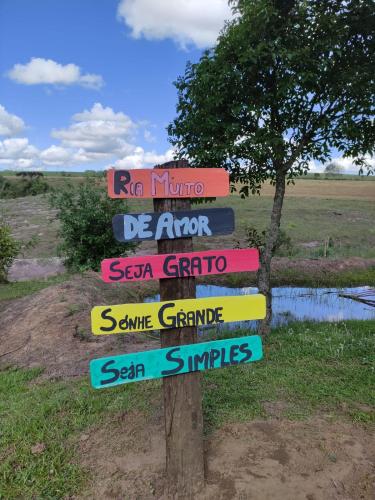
{"x": 134, "y": 367}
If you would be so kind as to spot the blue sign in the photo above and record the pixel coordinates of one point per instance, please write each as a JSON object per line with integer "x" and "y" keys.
{"x": 158, "y": 363}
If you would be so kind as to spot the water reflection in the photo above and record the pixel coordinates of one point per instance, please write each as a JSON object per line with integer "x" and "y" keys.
{"x": 298, "y": 304}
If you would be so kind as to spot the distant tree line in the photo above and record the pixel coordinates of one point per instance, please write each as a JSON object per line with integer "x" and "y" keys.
{"x": 25, "y": 184}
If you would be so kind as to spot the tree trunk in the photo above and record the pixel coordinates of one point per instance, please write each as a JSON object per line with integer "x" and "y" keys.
{"x": 264, "y": 273}
{"x": 182, "y": 393}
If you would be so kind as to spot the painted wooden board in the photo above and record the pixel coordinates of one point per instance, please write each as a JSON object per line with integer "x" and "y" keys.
{"x": 125, "y": 318}
{"x": 126, "y": 368}
{"x": 168, "y": 183}
{"x": 171, "y": 225}
{"x": 179, "y": 265}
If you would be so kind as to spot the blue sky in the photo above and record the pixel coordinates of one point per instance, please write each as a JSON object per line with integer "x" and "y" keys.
{"x": 137, "y": 74}
{"x": 131, "y": 70}
{"x": 85, "y": 84}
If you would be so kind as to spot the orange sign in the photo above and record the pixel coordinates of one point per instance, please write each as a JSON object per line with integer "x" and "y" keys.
{"x": 168, "y": 183}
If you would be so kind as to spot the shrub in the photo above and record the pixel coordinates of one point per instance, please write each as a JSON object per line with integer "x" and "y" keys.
{"x": 4, "y": 186}
{"x": 85, "y": 213}
{"x": 256, "y": 239}
{"x": 22, "y": 185}
{"x": 9, "y": 248}
{"x": 35, "y": 186}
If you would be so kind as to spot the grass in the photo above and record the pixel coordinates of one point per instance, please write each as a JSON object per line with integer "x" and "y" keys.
{"x": 309, "y": 367}
{"x": 314, "y": 211}
{"x": 342, "y": 212}
{"x": 338, "y": 279}
{"x": 347, "y": 223}
{"x": 51, "y": 414}
{"x": 341, "y": 177}
{"x": 16, "y": 290}
{"x": 289, "y": 276}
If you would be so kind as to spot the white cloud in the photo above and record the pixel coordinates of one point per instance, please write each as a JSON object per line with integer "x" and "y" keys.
{"x": 98, "y": 135}
{"x": 26, "y": 163}
{"x": 46, "y": 71}
{"x": 347, "y": 165}
{"x": 56, "y": 155}
{"x": 15, "y": 148}
{"x": 187, "y": 22}
{"x": 315, "y": 167}
{"x": 141, "y": 158}
{"x": 10, "y": 124}
{"x": 98, "y": 112}
{"x": 18, "y": 153}
{"x": 149, "y": 137}
{"x": 99, "y": 132}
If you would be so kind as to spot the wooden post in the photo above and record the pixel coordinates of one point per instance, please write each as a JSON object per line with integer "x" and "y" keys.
{"x": 182, "y": 393}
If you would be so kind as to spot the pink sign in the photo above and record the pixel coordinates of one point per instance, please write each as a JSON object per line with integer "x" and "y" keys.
{"x": 170, "y": 183}
{"x": 179, "y": 265}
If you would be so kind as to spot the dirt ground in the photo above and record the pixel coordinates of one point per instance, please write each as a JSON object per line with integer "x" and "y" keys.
{"x": 321, "y": 265}
{"x": 336, "y": 189}
{"x": 51, "y": 328}
{"x": 31, "y": 219}
{"x": 31, "y": 269}
{"x": 262, "y": 460}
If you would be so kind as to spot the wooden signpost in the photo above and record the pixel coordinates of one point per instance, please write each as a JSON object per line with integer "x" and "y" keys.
{"x": 134, "y": 367}
{"x": 182, "y": 394}
{"x": 171, "y": 183}
{"x": 181, "y": 357}
{"x": 179, "y": 265}
{"x": 170, "y": 225}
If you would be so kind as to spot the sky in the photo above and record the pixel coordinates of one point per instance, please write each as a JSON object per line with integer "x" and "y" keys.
{"x": 88, "y": 84}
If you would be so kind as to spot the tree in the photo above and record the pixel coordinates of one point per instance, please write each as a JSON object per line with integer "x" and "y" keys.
{"x": 85, "y": 213}
{"x": 29, "y": 175}
{"x": 287, "y": 81}
{"x": 9, "y": 249}
{"x": 333, "y": 168}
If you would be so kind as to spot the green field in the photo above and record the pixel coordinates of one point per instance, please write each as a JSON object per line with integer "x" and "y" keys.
{"x": 340, "y": 212}
{"x": 42, "y": 421}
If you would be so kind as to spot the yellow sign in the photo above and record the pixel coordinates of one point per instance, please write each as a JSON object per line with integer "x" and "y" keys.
{"x": 126, "y": 318}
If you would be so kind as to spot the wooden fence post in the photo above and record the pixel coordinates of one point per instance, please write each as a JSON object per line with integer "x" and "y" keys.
{"x": 182, "y": 393}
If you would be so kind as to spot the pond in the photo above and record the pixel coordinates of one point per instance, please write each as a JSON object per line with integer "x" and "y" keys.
{"x": 298, "y": 304}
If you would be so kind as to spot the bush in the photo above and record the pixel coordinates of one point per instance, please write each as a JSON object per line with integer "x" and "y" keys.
{"x": 4, "y": 186}
{"x": 35, "y": 186}
{"x": 9, "y": 248}
{"x": 25, "y": 185}
{"x": 256, "y": 239}
{"x": 85, "y": 213}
